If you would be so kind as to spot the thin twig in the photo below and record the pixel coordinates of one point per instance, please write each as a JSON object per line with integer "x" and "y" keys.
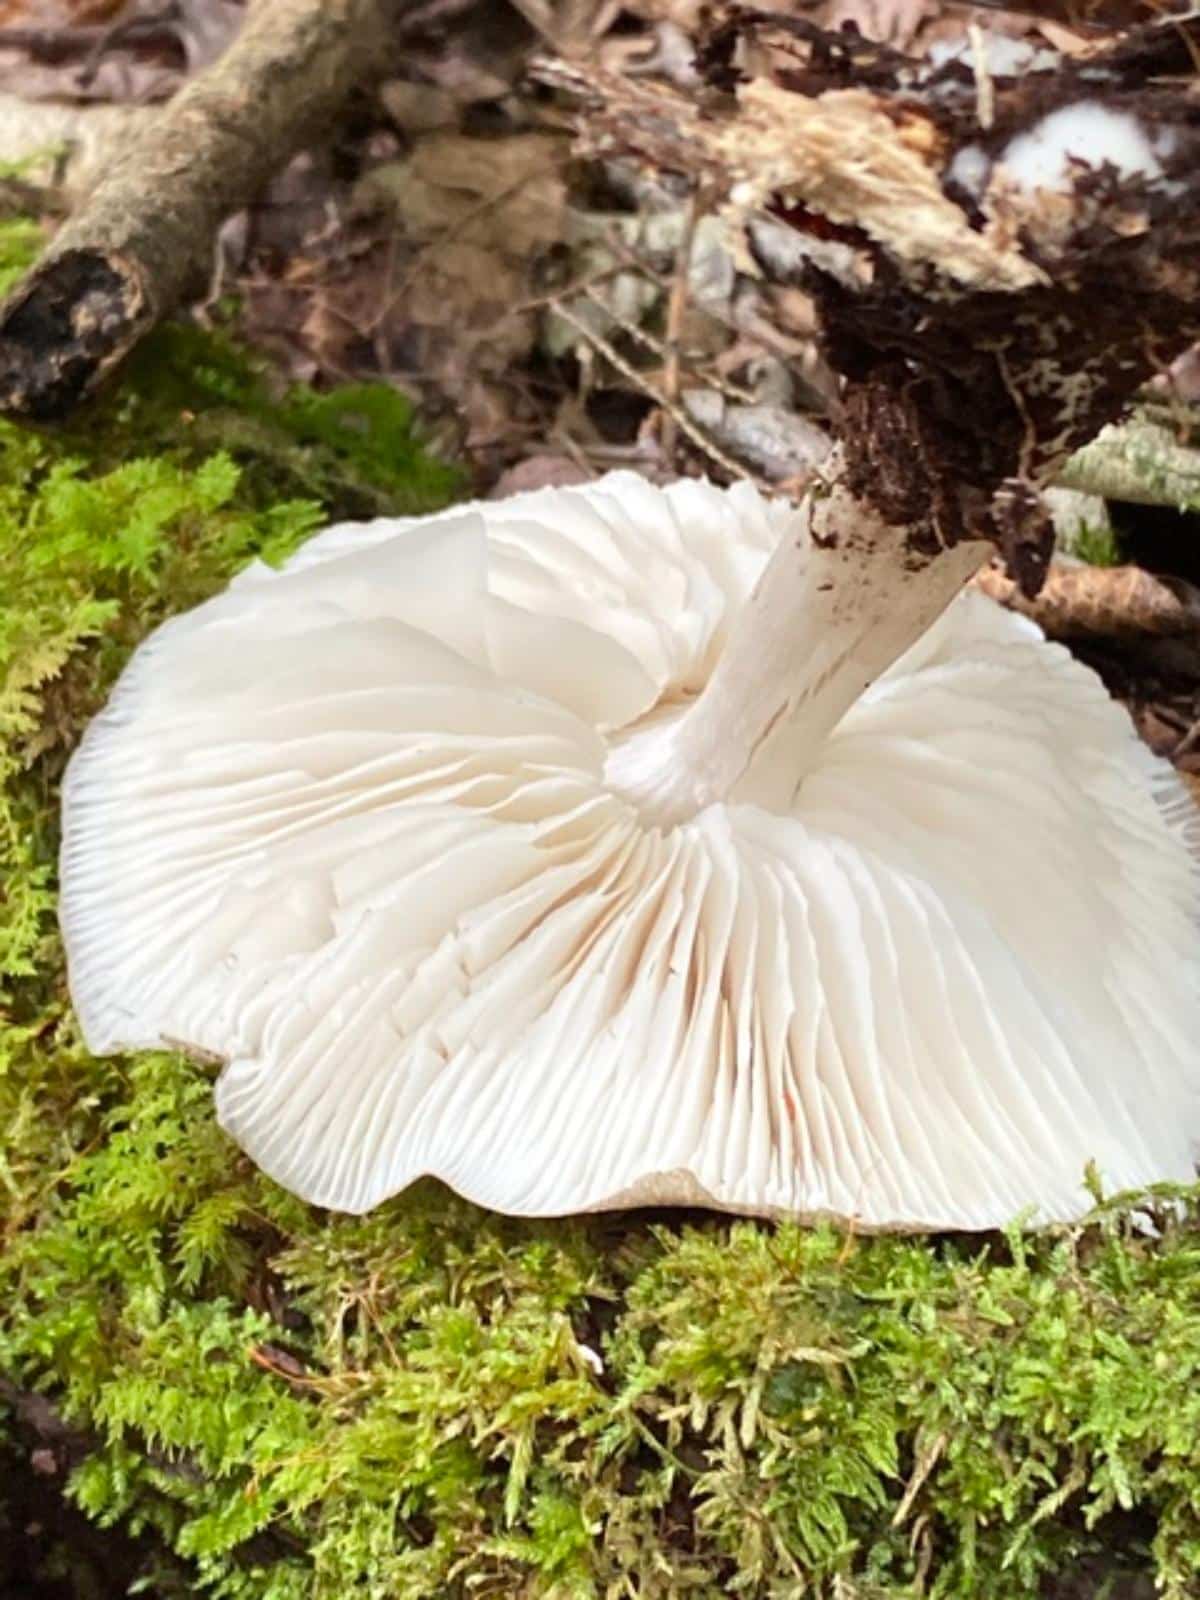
{"x": 985, "y": 89}
{"x": 699, "y": 438}
{"x": 658, "y": 347}
{"x": 676, "y": 310}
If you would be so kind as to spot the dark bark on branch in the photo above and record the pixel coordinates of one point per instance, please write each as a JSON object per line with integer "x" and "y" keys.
{"x": 143, "y": 239}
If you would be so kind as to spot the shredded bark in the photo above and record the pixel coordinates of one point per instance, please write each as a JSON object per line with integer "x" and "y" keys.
{"x": 982, "y": 338}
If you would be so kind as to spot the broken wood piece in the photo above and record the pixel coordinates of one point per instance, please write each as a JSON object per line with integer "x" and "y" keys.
{"x": 143, "y": 239}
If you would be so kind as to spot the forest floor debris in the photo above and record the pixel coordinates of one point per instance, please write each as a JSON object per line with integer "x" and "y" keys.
{"x": 551, "y": 318}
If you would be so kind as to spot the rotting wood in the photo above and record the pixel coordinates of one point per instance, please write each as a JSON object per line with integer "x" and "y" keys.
{"x": 142, "y": 240}
{"x": 983, "y": 333}
{"x": 984, "y": 336}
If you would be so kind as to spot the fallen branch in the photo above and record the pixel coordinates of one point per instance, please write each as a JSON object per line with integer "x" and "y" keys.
{"x": 142, "y": 241}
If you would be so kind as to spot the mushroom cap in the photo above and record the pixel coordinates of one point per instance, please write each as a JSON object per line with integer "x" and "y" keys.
{"x": 346, "y": 827}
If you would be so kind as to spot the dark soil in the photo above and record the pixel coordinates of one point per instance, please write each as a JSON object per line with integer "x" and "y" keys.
{"x": 48, "y": 1549}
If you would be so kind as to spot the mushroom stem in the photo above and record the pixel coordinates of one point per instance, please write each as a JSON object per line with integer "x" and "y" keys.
{"x": 839, "y": 601}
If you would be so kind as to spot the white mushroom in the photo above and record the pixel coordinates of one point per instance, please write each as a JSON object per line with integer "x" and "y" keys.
{"x": 434, "y": 838}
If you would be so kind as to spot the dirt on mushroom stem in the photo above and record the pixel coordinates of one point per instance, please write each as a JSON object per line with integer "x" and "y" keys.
{"x": 836, "y": 606}
{"x": 971, "y": 369}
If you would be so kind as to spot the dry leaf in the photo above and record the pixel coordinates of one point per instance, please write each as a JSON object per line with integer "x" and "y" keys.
{"x": 540, "y": 472}
{"x": 506, "y": 194}
{"x": 472, "y": 289}
{"x": 120, "y": 51}
{"x": 418, "y": 107}
{"x": 479, "y": 56}
{"x": 1082, "y": 602}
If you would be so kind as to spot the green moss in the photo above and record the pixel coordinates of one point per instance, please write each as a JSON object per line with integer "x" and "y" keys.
{"x": 20, "y": 241}
{"x": 190, "y": 391}
{"x": 408, "y": 1405}
{"x": 433, "y": 1401}
{"x": 1097, "y": 545}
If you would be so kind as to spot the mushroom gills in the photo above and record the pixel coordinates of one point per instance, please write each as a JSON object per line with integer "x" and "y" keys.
{"x": 359, "y": 827}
